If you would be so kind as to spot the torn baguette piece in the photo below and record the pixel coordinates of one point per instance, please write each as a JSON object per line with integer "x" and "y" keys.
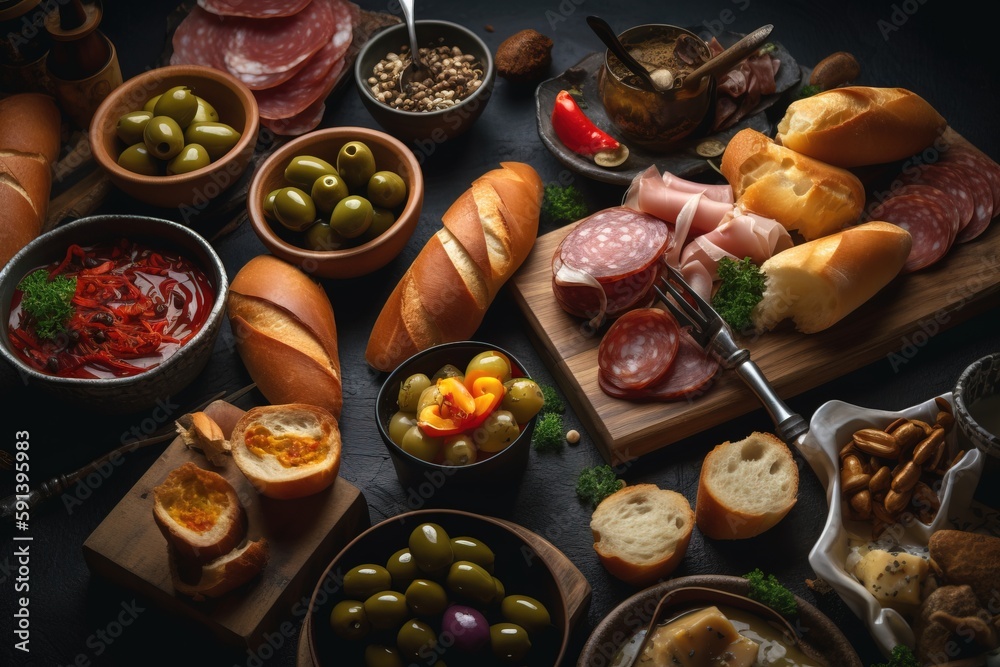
{"x": 222, "y": 574}
{"x": 199, "y": 431}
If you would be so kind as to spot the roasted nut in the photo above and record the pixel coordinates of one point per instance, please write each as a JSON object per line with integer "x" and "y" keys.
{"x": 861, "y": 503}
{"x": 847, "y": 449}
{"x": 945, "y": 420}
{"x": 876, "y": 443}
{"x": 924, "y": 425}
{"x": 935, "y": 463}
{"x": 853, "y": 481}
{"x": 881, "y": 480}
{"x": 908, "y": 435}
{"x": 835, "y": 70}
{"x": 906, "y": 478}
{"x": 925, "y": 498}
{"x": 891, "y": 428}
{"x": 896, "y": 502}
{"x": 943, "y": 404}
{"x": 882, "y": 513}
{"x": 928, "y": 448}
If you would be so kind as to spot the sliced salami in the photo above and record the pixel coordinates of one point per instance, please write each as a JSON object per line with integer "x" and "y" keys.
{"x": 963, "y": 151}
{"x": 200, "y": 39}
{"x": 265, "y": 81}
{"x": 255, "y": 9}
{"x": 620, "y": 295}
{"x": 949, "y": 180}
{"x": 313, "y": 83}
{"x": 935, "y": 198}
{"x": 928, "y": 223}
{"x": 615, "y": 243}
{"x": 979, "y": 187}
{"x": 304, "y": 122}
{"x": 689, "y": 376}
{"x": 639, "y": 348}
{"x": 258, "y": 46}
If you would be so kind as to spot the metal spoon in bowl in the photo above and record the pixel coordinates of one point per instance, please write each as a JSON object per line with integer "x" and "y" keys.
{"x": 417, "y": 70}
{"x": 659, "y": 80}
{"x": 727, "y": 59}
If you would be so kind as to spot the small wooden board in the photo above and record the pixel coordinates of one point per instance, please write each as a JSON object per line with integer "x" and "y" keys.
{"x": 897, "y": 321}
{"x": 303, "y": 536}
{"x": 572, "y": 582}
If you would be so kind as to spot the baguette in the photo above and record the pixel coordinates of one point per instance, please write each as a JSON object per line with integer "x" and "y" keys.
{"x": 287, "y": 451}
{"x": 488, "y": 232}
{"x": 817, "y": 283}
{"x": 798, "y": 191}
{"x": 29, "y": 145}
{"x": 198, "y": 513}
{"x": 221, "y": 575}
{"x": 745, "y": 487}
{"x": 859, "y": 125}
{"x": 642, "y": 532}
{"x": 286, "y": 334}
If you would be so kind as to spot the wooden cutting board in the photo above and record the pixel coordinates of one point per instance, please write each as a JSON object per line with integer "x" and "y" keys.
{"x": 897, "y": 321}
{"x": 303, "y": 535}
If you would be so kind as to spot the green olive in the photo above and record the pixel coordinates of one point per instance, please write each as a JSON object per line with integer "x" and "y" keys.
{"x": 363, "y": 581}
{"x": 386, "y": 189}
{"x": 474, "y": 551}
{"x": 422, "y": 446}
{"x": 497, "y": 432}
{"x": 489, "y": 364}
{"x": 471, "y": 581}
{"x": 447, "y": 371}
{"x": 399, "y": 423}
{"x": 349, "y": 621}
{"x": 206, "y": 113}
{"x": 430, "y": 396}
{"x": 386, "y": 610}
{"x": 352, "y": 216}
{"x": 303, "y": 170}
{"x": 426, "y": 598}
{"x": 416, "y": 639}
{"x": 509, "y": 642}
{"x": 501, "y": 591}
{"x": 410, "y": 390}
{"x": 459, "y": 450}
{"x": 431, "y": 548}
{"x": 321, "y": 237}
{"x": 377, "y": 655}
{"x": 294, "y": 209}
{"x": 355, "y": 164}
{"x": 527, "y": 612}
{"x": 382, "y": 220}
{"x": 327, "y": 190}
{"x": 191, "y": 157}
{"x": 523, "y": 398}
{"x": 163, "y": 137}
{"x": 151, "y": 103}
{"x": 268, "y": 205}
{"x": 137, "y": 159}
{"x": 403, "y": 569}
{"x": 179, "y": 103}
{"x": 130, "y": 126}
{"x": 217, "y": 138}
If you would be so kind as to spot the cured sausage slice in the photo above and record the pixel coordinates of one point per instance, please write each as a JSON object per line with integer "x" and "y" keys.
{"x": 258, "y": 46}
{"x": 313, "y": 83}
{"x": 639, "y": 348}
{"x": 928, "y": 223}
{"x": 620, "y": 295}
{"x": 935, "y": 197}
{"x": 950, "y": 181}
{"x": 979, "y": 187}
{"x": 255, "y": 9}
{"x": 963, "y": 152}
{"x": 689, "y": 376}
{"x": 299, "y": 124}
{"x": 615, "y": 243}
{"x": 200, "y": 39}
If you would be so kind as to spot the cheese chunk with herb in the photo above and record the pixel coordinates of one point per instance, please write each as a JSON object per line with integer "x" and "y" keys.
{"x": 703, "y": 638}
{"x": 895, "y": 578}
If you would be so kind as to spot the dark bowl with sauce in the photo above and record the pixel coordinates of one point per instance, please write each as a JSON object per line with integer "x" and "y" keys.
{"x": 977, "y": 397}
{"x": 193, "y": 312}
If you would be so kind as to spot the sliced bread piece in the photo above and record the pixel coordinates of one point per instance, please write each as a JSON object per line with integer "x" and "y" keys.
{"x": 641, "y": 532}
{"x": 223, "y": 574}
{"x": 746, "y": 487}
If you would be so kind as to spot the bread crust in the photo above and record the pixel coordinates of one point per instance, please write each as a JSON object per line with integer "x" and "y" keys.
{"x": 720, "y": 520}
{"x": 856, "y": 126}
{"x": 225, "y": 573}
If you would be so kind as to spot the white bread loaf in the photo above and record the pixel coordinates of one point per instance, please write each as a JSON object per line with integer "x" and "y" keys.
{"x": 286, "y": 334}
{"x": 859, "y": 125}
{"x": 745, "y": 487}
{"x": 817, "y": 283}
{"x": 30, "y": 126}
{"x": 198, "y": 513}
{"x": 443, "y": 296}
{"x": 222, "y": 574}
{"x": 287, "y": 451}
{"x": 798, "y": 191}
{"x": 642, "y": 532}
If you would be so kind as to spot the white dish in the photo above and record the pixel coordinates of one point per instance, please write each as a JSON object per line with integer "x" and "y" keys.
{"x": 829, "y": 429}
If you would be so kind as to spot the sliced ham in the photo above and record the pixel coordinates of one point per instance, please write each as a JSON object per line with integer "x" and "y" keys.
{"x": 650, "y": 194}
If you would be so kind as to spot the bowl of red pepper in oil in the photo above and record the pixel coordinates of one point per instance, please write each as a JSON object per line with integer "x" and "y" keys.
{"x": 112, "y": 312}
{"x": 447, "y": 451}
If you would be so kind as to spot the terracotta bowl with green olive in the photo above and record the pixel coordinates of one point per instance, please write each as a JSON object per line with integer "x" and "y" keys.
{"x": 176, "y": 136}
{"x": 457, "y": 420}
{"x": 339, "y": 202}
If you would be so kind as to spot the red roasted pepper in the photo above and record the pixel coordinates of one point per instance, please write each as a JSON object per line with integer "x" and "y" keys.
{"x": 460, "y": 409}
{"x": 579, "y": 134}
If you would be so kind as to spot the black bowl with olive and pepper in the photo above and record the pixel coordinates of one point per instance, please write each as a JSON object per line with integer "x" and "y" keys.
{"x": 438, "y": 587}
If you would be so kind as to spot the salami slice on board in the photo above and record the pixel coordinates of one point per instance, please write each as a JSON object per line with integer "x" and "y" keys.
{"x": 264, "y": 81}
{"x": 639, "y": 348}
{"x": 979, "y": 187}
{"x": 255, "y": 9}
{"x": 313, "y": 83}
{"x": 200, "y": 39}
{"x": 934, "y": 197}
{"x": 621, "y": 295}
{"x": 689, "y": 376}
{"x": 964, "y": 152}
{"x": 259, "y": 46}
{"x": 950, "y": 180}
{"x": 928, "y": 223}
{"x": 615, "y": 243}
{"x": 304, "y": 122}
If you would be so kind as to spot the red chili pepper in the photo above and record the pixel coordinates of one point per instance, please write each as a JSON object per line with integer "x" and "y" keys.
{"x": 580, "y": 135}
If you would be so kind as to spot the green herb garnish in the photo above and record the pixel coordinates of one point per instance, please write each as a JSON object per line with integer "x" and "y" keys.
{"x": 563, "y": 204}
{"x": 901, "y": 656}
{"x": 741, "y": 290}
{"x": 49, "y": 302}
{"x": 552, "y": 401}
{"x": 548, "y": 434}
{"x": 809, "y": 90}
{"x": 597, "y": 483}
{"x": 768, "y": 591}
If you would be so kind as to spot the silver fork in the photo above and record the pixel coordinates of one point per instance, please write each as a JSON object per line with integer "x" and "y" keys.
{"x": 712, "y": 333}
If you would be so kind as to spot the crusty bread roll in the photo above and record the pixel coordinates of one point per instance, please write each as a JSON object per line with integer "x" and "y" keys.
{"x": 859, "y": 125}
{"x": 222, "y": 574}
{"x": 642, "y": 532}
{"x": 287, "y": 451}
{"x": 286, "y": 334}
{"x": 443, "y": 296}
{"x": 29, "y": 145}
{"x": 796, "y": 190}
{"x": 817, "y": 283}
{"x": 745, "y": 487}
{"x": 199, "y": 513}
{"x": 200, "y": 431}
